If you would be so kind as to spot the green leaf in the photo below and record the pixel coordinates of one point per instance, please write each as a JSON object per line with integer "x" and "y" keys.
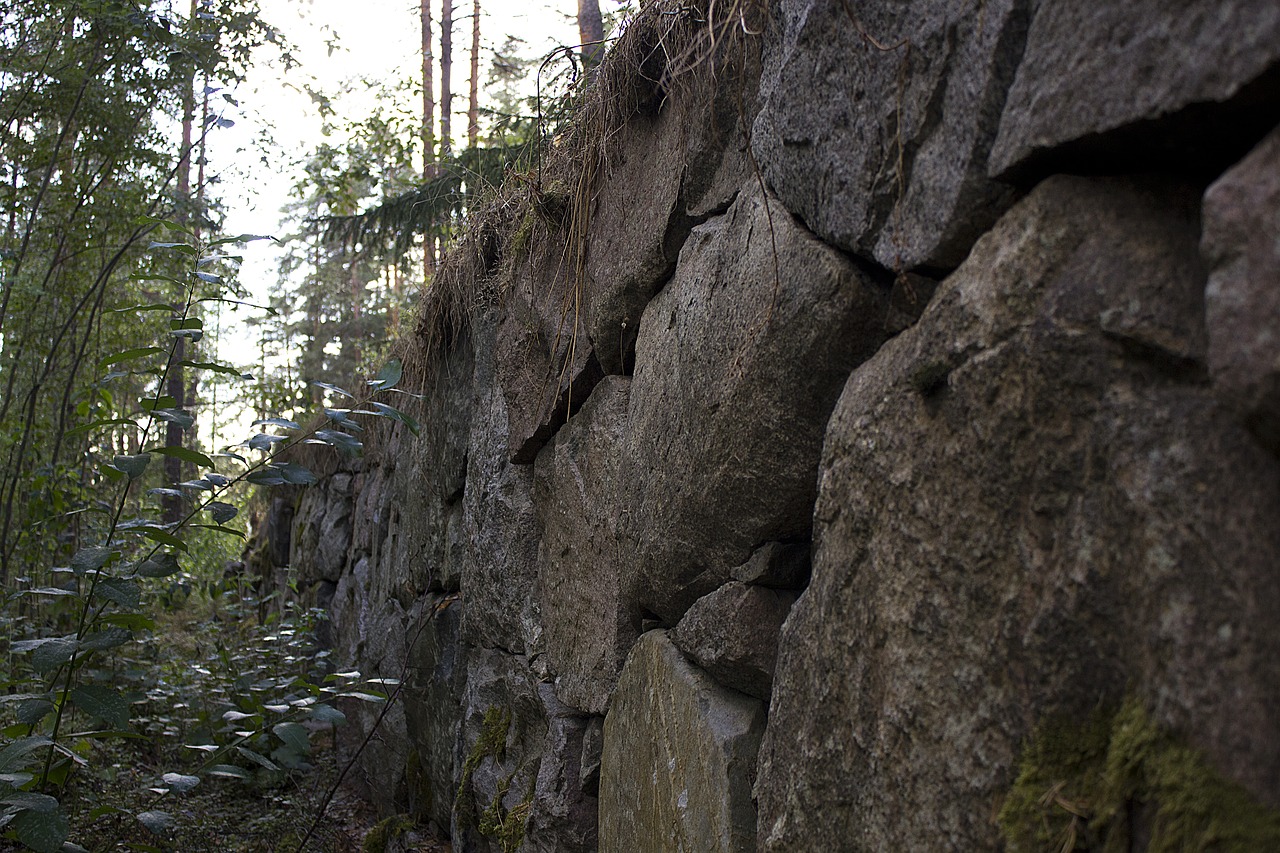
{"x": 100, "y": 423}
{"x": 264, "y": 441}
{"x": 124, "y": 592}
{"x": 164, "y": 401}
{"x": 32, "y": 801}
{"x": 90, "y": 559}
{"x": 164, "y": 539}
{"x": 195, "y": 335}
{"x": 187, "y": 323}
{"x": 260, "y": 760}
{"x": 283, "y": 423}
{"x": 327, "y": 714}
{"x": 179, "y": 782}
{"x": 112, "y": 638}
{"x": 294, "y": 736}
{"x": 215, "y": 368}
{"x": 132, "y": 466}
{"x": 160, "y": 823}
{"x": 184, "y": 248}
{"x": 13, "y": 757}
{"x": 48, "y": 652}
{"x": 265, "y": 477}
{"x": 186, "y": 454}
{"x": 341, "y": 440}
{"x": 180, "y": 417}
{"x": 158, "y": 566}
{"x": 154, "y": 306}
{"x": 32, "y": 711}
{"x": 395, "y": 414}
{"x": 295, "y": 474}
{"x": 128, "y": 622}
{"x": 221, "y": 512}
{"x": 334, "y": 388}
{"x": 102, "y": 703}
{"x": 220, "y": 529}
{"x": 43, "y": 832}
{"x": 126, "y": 355}
{"x": 243, "y": 238}
{"x": 388, "y": 376}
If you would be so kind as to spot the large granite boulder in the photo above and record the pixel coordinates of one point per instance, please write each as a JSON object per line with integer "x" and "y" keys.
{"x": 499, "y": 527}
{"x": 1025, "y": 510}
{"x": 679, "y": 755}
{"x": 732, "y": 633}
{"x": 738, "y": 363}
{"x": 321, "y": 533}
{"x": 589, "y": 618}
{"x": 1137, "y": 83}
{"x": 517, "y": 764}
{"x": 433, "y": 707}
{"x": 665, "y": 170}
{"x": 1242, "y": 301}
{"x": 875, "y": 129}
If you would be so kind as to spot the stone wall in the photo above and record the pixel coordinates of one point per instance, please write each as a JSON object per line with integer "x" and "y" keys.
{"x": 846, "y": 406}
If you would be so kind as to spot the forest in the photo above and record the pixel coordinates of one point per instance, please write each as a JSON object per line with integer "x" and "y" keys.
{"x": 150, "y": 687}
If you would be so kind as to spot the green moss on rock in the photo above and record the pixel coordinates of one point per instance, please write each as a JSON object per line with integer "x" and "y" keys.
{"x": 1119, "y": 779}
{"x": 491, "y": 743}
{"x": 382, "y": 833}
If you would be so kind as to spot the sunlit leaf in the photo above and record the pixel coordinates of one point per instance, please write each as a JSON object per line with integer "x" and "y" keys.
{"x": 220, "y": 529}
{"x": 228, "y": 771}
{"x": 101, "y": 423}
{"x": 153, "y": 306}
{"x": 164, "y": 401}
{"x": 335, "y": 389}
{"x": 209, "y": 277}
{"x": 283, "y": 423}
{"x": 214, "y": 367}
{"x": 185, "y": 248}
{"x": 216, "y": 479}
{"x": 395, "y": 414}
{"x": 260, "y": 760}
{"x": 264, "y": 441}
{"x": 180, "y": 417}
{"x": 165, "y": 539}
{"x": 179, "y": 782}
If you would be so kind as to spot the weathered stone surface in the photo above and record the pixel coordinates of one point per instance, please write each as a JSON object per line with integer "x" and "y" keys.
{"x": 543, "y": 359}
{"x": 661, "y": 174}
{"x": 1090, "y": 69}
{"x": 589, "y": 618}
{"x": 1021, "y": 515}
{"x": 679, "y": 751}
{"x": 499, "y": 565}
{"x": 431, "y": 472}
{"x": 1242, "y": 301}
{"x": 518, "y": 762}
{"x": 876, "y": 132}
{"x": 322, "y": 531}
{"x": 433, "y": 706}
{"x": 733, "y": 634}
{"x": 592, "y": 748}
{"x": 735, "y": 375}
{"x": 778, "y": 565}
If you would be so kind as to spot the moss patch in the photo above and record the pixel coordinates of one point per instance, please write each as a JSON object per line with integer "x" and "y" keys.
{"x": 1119, "y": 780}
{"x": 385, "y": 831}
{"x": 492, "y": 743}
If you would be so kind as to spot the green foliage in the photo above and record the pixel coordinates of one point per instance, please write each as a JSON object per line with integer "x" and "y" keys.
{"x": 1079, "y": 786}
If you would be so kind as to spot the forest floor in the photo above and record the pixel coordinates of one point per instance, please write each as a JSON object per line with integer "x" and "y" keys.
{"x": 206, "y": 658}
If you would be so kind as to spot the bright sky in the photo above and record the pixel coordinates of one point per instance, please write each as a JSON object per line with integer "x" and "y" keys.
{"x": 375, "y": 39}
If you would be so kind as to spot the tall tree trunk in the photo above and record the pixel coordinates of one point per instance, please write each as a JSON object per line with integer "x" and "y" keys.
{"x": 428, "y": 124}
{"x": 175, "y": 387}
{"x": 473, "y": 109}
{"x": 446, "y": 71}
{"x": 590, "y": 32}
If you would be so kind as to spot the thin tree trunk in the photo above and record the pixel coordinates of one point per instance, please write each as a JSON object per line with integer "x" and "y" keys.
{"x": 590, "y": 32}
{"x": 446, "y": 71}
{"x": 428, "y": 123}
{"x": 473, "y": 109}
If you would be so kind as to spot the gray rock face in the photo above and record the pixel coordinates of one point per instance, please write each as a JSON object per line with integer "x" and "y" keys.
{"x": 733, "y": 634}
{"x": 1242, "y": 301}
{"x": 735, "y": 375}
{"x": 679, "y": 751}
{"x": 876, "y": 132}
{"x": 433, "y": 707}
{"x": 322, "y": 531}
{"x": 589, "y": 620}
{"x": 1093, "y": 68}
{"x": 500, "y": 531}
{"x": 659, "y": 177}
{"x": 543, "y": 359}
{"x": 518, "y": 761}
{"x": 777, "y": 565}
{"x": 1021, "y": 515}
